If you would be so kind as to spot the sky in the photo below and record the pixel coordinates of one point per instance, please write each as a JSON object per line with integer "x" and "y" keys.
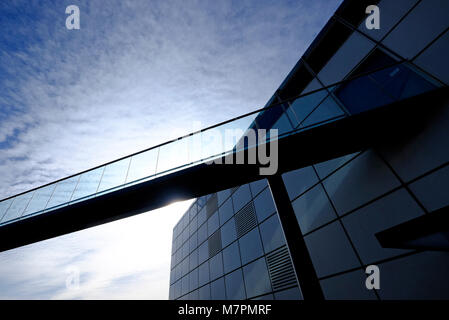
{"x": 136, "y": 74}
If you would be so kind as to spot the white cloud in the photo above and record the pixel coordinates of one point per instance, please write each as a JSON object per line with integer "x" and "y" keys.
{"x": 137, "y": 73}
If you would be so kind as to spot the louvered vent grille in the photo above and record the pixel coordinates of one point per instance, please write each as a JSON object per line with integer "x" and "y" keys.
{"x": 211, "y": 205}
{"x": 214, "y": 243}
{"x": 245, "y": 219}
{"x": 281, "y": 269}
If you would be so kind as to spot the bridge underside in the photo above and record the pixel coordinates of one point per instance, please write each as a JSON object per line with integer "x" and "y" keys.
{"x": 298, "y": 150}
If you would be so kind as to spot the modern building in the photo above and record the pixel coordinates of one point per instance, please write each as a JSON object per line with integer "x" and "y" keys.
{"x": 312, "y": 232}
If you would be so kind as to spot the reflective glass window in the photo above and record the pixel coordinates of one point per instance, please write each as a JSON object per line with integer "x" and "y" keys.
{"x": 235, "y": 288}
{"x": 264, "y": 205}
{"x": 228, "y": 233}
{"x": 114, "y": 174}
{"x": 271, "y": 233}
{"x": 257, "y": 281}
{"x": 250, "y": 246}
{"x": 216, "y": 266}
{"x": 226, "y": 211}
{"x": 217, "y": 289}
{"x": 88, "y": 183}
{"x": 203, "y": 273}
{"x": 17, "y": 207}
{"x": 203, "y": 252}
{"x": 231, "y": 257}
{"x": 213, "y": 223}
{"x": 142, "y": 165}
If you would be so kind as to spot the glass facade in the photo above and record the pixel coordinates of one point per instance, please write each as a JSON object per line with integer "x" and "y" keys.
{"x": 242, "y": 262}
{"x": 341, "y": 204}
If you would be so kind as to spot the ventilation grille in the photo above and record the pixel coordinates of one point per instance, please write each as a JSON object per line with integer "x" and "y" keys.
{"x": 245, "y": 219}
{"x": 214, "y": 243}
{"x": 211, "y": 205}
{"x": 281, "y": 269}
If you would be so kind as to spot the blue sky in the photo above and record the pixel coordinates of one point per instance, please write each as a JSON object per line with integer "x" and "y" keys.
{"x": 137, "y": 73}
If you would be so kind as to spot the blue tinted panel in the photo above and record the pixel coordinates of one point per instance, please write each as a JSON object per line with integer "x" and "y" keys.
{"x": 228, "y": 233}
{"x": 362, "y": 94}
{"x": 313, "y": 209}
{"x": 241, "y": 197}
{"x": 303, "y": 106}
{"x": 235, "y": 289}
{"x": 202, "y": 216}
{"x": 271, "y": 233}
{"x": 142, "y": 165}
{"x": 258, "y": 186}
{"x": 193, "y": 242}
{"x": 194, "y": 279}
{"x": 326, "y": 110}
{"x": 223, "y": 195}
{"x": 250, "y": 246}
{"x": 17, "y": 207}
{"x": 63, "y": 192}
{"x": 203, "y": 273}
{"x": 193, "y": 257}
{"x": 289, "y": 294}
{"x": 217, "y": 289}
{"x": 213, "y": 223}
{"x": 88, "y": 183}
{"x": 203, "y": 254}
{"x": 185, "y": 285}
{"x": 226, "y": 211}
{"x": 4, "y": 206}
{"x": 39, "y": 200}
{"x": 264, "y": 205}
{"x": 114, "y": 174}
{"x": 257, "y": 281}
{"x": 216, "y": 266}
{"x": 204, "y": 293}
{"x": 298, "y": 181}
{"x": 202, "y": 233}
{"x": 231, "y": 257}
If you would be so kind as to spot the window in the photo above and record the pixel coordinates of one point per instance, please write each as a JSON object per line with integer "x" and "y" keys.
{"x": 271, "y": 233}
{"x": 256, "y": 278}
{"x": 231, "y": 257}
{"x": 213, "y": 223}
{"x": 216, "y": 266}
{"x": 203, "y": 273}
{"x": 228, "y": 233}
{"x": 234, "y": 285}
{"x": 226, "y": 211}
{"x": 203, "y": 254}
{"x": 264, "y": 205}
{"x": 241, "y": 197}
{"x": 250, "y": 246}
{"x": 217, "y": 289}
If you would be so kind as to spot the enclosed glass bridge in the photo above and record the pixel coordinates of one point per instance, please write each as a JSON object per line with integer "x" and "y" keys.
{"x": 295, "y": 117}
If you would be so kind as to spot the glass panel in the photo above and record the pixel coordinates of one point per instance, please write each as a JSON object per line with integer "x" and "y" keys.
{"x": 231, "y": 257}
{"x": 204, "y": 293}
{"x": 250, "y": 246}
{"x": 271, "y": 233}
{"x": 204, "y": 273}
{"x": 203, "y": 252}
{"x": 142, "y": 165}
{"x": 264, "y": 205}
{"x": 326, "y": 110}
{"x": 202, "y": 233}
{"x": 217, "y": 289}
{"x": 17, "y": 207}
{"x": 216, "y": 266}
{"x": 88, "y": 183}
{"x": 274, "y": 118}
{"x": 194, "y": 279}
{"x": 362, "y": 94}
{"x": 63, "y": 192}
{"x": 213, "y": 223}
{"x": 228, "y": 233}
{"x": 256, "y": 278}
{"x": 114, "y": 174}
{"x": 235, "y": 289}
{"x": 226, "y": 211}
{"x": 173, "y": 155}
{"x": 4, "y": 206}
{"x": 40, "y": 199}
{"x": 303, "y": 106}
{"x": 193, "y": 259}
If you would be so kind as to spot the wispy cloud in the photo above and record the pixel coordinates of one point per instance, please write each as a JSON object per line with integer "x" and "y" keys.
{"x": 136, "y": 74}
